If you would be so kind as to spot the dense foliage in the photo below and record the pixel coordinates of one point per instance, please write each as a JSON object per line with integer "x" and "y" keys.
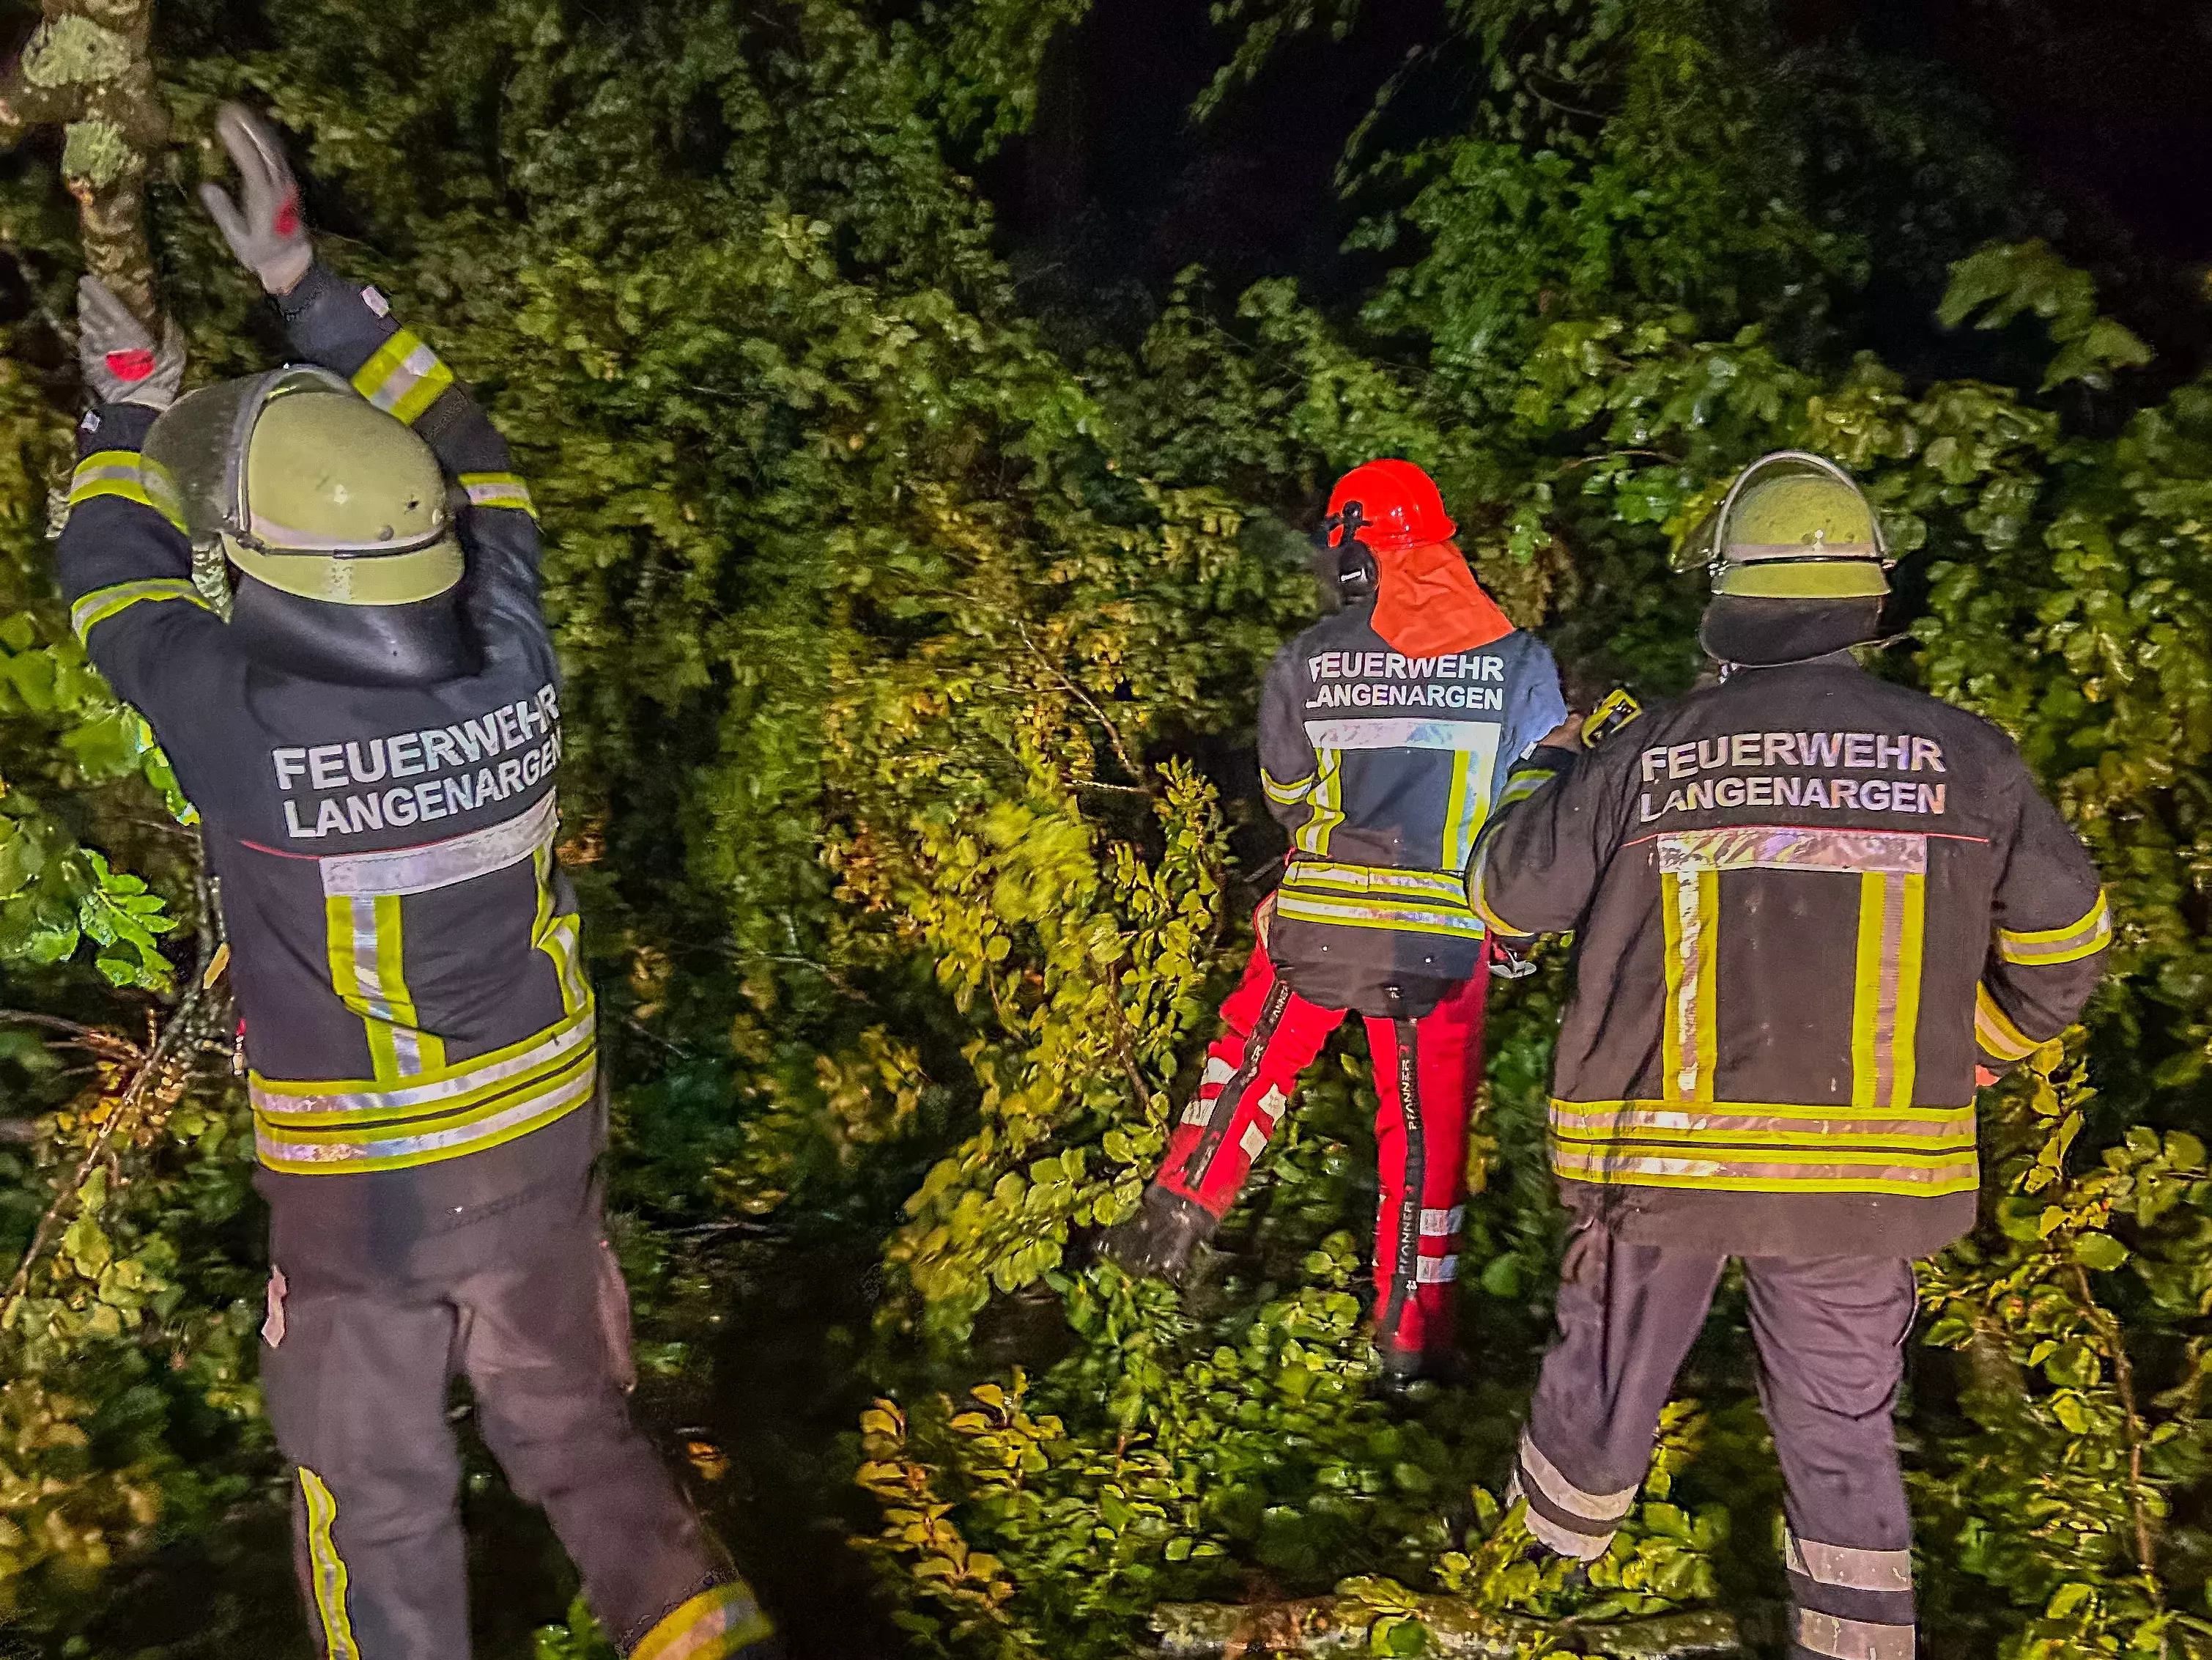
{"x": 910, "y": 660}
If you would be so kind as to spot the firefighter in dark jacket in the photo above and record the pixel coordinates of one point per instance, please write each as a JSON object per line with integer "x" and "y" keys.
{"x": 371, "y": 740}
{"x": 1385, "y": 731}
{"x": 1811, "y": 911}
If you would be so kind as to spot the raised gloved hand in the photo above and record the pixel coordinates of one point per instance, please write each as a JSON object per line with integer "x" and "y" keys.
{"x": 263, "y": 227}
{"x": 121, "y": 363}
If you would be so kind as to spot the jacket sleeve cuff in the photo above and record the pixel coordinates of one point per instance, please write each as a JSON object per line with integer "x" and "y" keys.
{"x": 331, "y": 322}
{"x": 113, "y": 427}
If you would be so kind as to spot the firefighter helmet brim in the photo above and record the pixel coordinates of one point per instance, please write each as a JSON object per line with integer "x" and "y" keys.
{"x": 1793, "y": 526}
{"x": 308, "y": 487}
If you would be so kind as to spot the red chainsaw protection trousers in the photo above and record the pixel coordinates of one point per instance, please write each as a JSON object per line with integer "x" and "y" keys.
{"x": 1425, "y": 1072}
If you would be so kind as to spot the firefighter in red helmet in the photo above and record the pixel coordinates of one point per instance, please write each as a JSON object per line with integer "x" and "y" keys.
{"x": 1385, "y": 732}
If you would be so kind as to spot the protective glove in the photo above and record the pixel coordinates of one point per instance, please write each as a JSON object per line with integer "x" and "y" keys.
{"x": 121, "y": 363}
{"x": 266, "y": 233}
{"x": 1510, "y": 959}
{"x": 1156, "y": 1243}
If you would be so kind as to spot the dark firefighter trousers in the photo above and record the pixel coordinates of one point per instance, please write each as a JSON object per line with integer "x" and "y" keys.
{"x": 1830, "y": 1332}
{"x": 528, "y": 1304}
{"x": 1425, "y": 1072}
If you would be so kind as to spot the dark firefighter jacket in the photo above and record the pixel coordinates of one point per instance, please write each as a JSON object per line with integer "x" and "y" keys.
{"x": 1382, "y": 767}
{"x": 404, "y": 944}
{"x": 1805, "y": 903}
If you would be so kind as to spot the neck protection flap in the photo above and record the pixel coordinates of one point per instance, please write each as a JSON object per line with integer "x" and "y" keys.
{"x": 422, "y": 643}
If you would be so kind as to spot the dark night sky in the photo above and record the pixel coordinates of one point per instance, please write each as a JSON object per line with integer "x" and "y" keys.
{"x": 2106, "y": 104}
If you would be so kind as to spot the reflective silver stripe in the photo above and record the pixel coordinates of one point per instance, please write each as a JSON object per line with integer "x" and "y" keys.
{"x": 1994, "y": 1031}
{"x": 431, "y": 1141}
{"x": 499, "y": 490}
{"x": 101, "y": 604}
{"x": 1847, "y": 1566}
{"x": 1288, "y": 794}
{"x": 404, "y": 378}
{"x": 1831, "y": 1174}
{"x": 2050, "y": 947}
{"x": 1690, "y": 976}
{"x": 92, "y": 471}
{"x": 329, "y": 1109}
{"x": 1442, "y": 1224}
{"x": 1252, "y": 1140}
{"x": 376, "y": 998}
{"x": 1736, "y": 1121}
{"x": 1566, "y": 1541}
{"x": 712, "y": 1626}
{"x": 1306, "y": 909}
{"x": 1852, "y": 1640}
{"x": 1309, "y": 873}
{"x": 1522, "y": 785}
{"x": 1783, "y": 846}
{"x": 1435, "y": 1270}
{"x": 441, "y": 864}
{"x": 1404, "y": 734}
{"x": 1217, "y": 1071}
{"x": 1606, "y": 1507}
{"x": 1198, "y": 1111}
{"x": 1271, "y": 1104}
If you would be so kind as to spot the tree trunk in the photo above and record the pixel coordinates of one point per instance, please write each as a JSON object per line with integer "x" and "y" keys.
{"x": 88, "y": 68}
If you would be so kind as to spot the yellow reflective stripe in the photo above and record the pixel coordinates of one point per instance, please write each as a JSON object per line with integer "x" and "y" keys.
{"x": 2047, "y": 947}
{"x": 1904, "y": 1031}
{"x": 480, "y": 1104}
{"x": 1689, "y": 904}
{"x": 1717, "y": 1141}
{"x": 1741, "y": 1124}
{"x": 712, "y": 1626}
{"x": 499, "y": 490}
{"x": 1379, "y": 912}
{"x": 327, "y": 1569}
{"x": 352, "y": 1154}
{"x": 404, "y": 378}
{"x": 101, "y": 604}
{"x": 1994, "y": 1031}
{"x": 368, "y": 1127}
{"x": 555, "y": 936}
{"x": 1885, "y": 1170}
{"x": 1886, "y": 987}
{"x": 1288, "y": 795}
{"x": 336, "y": 1098}
{"x": 121, "y": 473}
{"x": 1327, "y": 798}
{"x": 1480, "y": 903}
{"x": 368, "y": 955}
{"x": 1462, "y": 812}
{"x": 1523, "y": 783}
{"x": 1440, "y": 885}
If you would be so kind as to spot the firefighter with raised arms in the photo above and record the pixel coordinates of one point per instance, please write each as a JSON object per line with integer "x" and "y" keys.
{"x": 1811, "y": 911}
{"x": 370, "y": 738}
{"x": 1385, "y": 733}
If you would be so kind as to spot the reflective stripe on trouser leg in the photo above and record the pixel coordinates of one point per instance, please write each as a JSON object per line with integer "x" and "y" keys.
{"x": 1628, "y": 1315}
{"x": 1448, "y": 1047}
{"x": 1269, "y": 1036}
{"x": 1830, "y": 1332}
{"x": 1562, "y": 1515}
{"x": 545, "y": 1346}
{"x": 712, "y": 1626}
{"x": 327, "y": 1569}
{"x": 1834, "y": 1638}
{"x": 354, "y": 1386}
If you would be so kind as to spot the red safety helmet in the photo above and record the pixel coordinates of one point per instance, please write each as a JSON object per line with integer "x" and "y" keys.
{"x": 1390, "y": 506}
